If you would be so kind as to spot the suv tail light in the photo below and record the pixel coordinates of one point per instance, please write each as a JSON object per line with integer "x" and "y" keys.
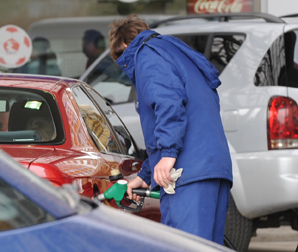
{"x": 282, "y": 123}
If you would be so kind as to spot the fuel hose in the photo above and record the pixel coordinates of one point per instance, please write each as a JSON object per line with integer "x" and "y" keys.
{"x": 145, "y": 192}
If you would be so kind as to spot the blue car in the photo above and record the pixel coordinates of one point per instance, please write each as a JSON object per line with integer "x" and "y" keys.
{"x": 36, "y": 216}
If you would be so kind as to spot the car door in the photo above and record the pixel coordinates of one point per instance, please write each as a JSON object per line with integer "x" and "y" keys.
{"x": 111, "y": 137}
{"x": 105, "y": 128}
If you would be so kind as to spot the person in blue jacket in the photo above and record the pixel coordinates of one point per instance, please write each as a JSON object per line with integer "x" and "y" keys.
{"x": 179, "y": 111}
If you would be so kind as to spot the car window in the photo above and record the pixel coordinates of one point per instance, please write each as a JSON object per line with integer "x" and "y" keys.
{"x": 118, "y": 126}
{"x": 43, "y": 59}
{"x": 110, "y": 81}
{"x": 28, "y": 117}
{"x": 279, "y": 66}
{"x": 197, "y": 42}
{"x": 219, "y": 49}
{"x": 58, "y": 43}
{"x": 271, "y": 71}
{"x": 291, "y": 49}
{"x": 223, "y": 48}
{"x": 96, "y": 123}
{"x": 17, "y": 211}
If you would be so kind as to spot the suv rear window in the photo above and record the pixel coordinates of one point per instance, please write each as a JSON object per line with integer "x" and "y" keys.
{"x": 291, "y": 49}
{"x": 271, "y": 71}
{"x": 279, "y": 66}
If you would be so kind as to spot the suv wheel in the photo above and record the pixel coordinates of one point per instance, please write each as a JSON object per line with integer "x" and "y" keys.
{"x": 238, "y": 228}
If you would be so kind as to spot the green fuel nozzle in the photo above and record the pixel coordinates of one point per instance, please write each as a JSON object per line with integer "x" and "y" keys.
{"x": 116, "y": 192}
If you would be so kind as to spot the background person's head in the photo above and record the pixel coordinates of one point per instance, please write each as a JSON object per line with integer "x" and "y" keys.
{"x": 40, "y": 46}
{"x": 93, "y": 43}
{"x": 123, "y": 32}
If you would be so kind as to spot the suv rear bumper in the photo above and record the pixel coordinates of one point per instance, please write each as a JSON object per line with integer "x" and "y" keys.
{"x": 265, "y": 182}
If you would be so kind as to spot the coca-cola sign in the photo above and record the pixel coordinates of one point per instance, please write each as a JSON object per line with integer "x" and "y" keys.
{"x": 218, "y": 6}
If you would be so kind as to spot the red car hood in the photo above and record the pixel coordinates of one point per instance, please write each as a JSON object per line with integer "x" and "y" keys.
{"x": 27, "y": 154}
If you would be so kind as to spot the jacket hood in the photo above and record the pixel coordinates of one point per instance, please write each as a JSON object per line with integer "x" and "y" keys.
{"x": 126, "y": 60}
{"x": 127, "y": 63}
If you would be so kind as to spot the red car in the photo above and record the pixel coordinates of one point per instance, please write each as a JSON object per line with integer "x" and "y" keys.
{"x": 64, "y": 131}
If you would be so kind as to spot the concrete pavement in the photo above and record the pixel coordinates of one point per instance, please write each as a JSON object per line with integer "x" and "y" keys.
{"x": 282, "y": 239}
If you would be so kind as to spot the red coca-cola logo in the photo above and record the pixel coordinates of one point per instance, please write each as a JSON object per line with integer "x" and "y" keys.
{"x": 218, "y": 6}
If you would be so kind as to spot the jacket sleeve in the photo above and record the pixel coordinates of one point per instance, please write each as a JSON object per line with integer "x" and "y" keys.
{"x": 163, "y": 90}
{"x": 145, "y": 172}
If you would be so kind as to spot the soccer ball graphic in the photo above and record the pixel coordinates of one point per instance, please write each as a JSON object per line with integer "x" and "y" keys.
{"x": 15, "y": 46}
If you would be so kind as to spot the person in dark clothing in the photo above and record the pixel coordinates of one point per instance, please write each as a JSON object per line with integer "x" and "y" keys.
{"x": 93, "y": 45}
{"x": 179, "y": 110}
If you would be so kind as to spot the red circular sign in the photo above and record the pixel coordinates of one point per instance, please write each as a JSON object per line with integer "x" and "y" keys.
{"x": 15, "y": 46}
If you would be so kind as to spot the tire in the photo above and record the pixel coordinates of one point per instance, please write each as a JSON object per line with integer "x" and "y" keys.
{"x": 238, "y": 229}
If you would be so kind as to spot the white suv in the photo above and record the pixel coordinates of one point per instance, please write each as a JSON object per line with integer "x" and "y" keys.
{"x": 258, "y": 63}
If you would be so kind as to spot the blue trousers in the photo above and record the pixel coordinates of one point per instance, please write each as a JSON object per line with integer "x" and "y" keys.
{"x": 198, "y": 208}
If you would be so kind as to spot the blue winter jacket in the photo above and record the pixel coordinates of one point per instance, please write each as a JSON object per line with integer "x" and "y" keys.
{"x": 179, "y": 108}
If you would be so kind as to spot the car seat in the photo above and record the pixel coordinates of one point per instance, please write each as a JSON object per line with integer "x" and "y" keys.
{"x": 19, "y": 115}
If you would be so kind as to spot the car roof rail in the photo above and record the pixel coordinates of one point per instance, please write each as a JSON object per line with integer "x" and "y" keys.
{"x": 289, "y": 16}
{"x": 223, "y": 17}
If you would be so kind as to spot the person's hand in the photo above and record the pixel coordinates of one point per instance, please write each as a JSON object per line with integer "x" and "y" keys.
{"x": 135, "y": 183}
{"x": 162, "y": 171}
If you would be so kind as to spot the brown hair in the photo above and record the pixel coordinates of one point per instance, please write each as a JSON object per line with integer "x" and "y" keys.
{"x": 44, "y": 126}
{"x": 123, "y": 32}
